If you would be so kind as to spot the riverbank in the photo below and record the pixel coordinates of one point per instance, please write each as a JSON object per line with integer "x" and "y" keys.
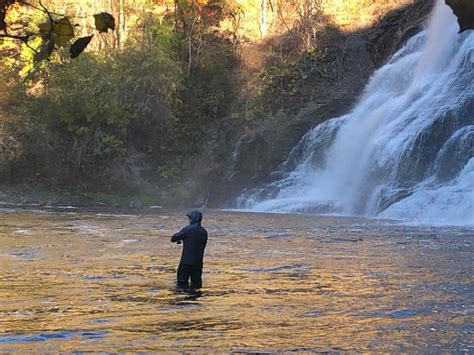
{"x": 239, "y": 107}
{"x": 27, "y": 196}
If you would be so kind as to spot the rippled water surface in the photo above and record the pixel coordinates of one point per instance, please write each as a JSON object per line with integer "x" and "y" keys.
{"x": 89, "y": 281}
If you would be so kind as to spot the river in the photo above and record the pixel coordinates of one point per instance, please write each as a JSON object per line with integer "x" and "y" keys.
{"x": 75, "y": 281}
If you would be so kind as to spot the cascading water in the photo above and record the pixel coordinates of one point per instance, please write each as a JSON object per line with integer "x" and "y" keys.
{"x": 406, "y": 150}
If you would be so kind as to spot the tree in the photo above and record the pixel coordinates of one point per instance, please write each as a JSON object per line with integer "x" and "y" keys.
{"x": 196, "y": 21}
{"x": 54, "y": 33}
{"x": 263, "y": 19}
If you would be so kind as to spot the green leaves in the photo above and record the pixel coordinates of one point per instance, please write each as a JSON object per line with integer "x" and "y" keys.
{"x": 104, "y": 21}
{"x": 58, "y": 33}
{"x": 79, "y": 45}
{"x": 63, "y": 31}
{"x": 4, "y": 5}
{"x": 53, "y": 34}
{"x": 46, "y": 28}
{"x": 46, "y": 49}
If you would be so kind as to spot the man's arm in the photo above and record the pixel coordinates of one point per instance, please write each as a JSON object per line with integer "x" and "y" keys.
{"x": 182, "y": 234}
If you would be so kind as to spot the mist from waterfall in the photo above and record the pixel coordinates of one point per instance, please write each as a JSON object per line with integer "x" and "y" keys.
{"x": 406, "y": 151}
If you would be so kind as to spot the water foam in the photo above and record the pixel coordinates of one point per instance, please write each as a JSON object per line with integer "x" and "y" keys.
{"x": 393, "y": 155}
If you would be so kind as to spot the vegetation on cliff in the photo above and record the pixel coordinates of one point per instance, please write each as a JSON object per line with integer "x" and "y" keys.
{"x": 158, "y": 104}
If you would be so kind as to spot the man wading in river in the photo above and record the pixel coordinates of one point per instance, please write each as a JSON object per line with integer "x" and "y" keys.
{"x": 194, "y": 238}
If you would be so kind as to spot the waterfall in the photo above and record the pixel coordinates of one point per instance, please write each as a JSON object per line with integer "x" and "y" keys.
{"x": 406, "y": 151}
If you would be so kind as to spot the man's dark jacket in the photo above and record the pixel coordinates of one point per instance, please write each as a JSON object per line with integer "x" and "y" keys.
{"x": 194, "y": 239}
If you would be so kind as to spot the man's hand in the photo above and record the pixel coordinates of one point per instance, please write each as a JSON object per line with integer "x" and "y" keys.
{"x": 177, "y": 237}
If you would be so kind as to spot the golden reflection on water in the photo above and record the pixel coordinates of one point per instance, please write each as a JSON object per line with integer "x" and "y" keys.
{"x": 104, "y": 282}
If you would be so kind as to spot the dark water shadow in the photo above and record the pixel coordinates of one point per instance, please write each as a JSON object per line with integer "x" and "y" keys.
{"x": 26, "y": 255}
{"x": 190, "y": 294}
{"x": 41, "y": 337}
{"x": 277, "y": 269}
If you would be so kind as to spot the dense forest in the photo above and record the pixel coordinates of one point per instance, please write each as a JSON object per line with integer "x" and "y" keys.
{"x": 179, "y": 102}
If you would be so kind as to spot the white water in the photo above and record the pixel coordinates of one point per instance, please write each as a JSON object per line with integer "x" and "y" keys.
{"x": 405, "y": 151}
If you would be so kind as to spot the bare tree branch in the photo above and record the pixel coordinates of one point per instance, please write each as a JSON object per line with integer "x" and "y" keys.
{"x": 15, "y": 37}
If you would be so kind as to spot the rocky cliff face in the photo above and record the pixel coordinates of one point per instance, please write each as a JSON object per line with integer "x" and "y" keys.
{"x": 261, "y": 150}
{"x": 302, "y": 73}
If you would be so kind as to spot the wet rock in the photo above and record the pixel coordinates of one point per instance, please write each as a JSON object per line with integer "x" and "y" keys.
{"x": 464, "y": 10}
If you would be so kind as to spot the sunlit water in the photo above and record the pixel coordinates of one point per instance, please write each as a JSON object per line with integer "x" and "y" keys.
{"x": 86, "y": 281}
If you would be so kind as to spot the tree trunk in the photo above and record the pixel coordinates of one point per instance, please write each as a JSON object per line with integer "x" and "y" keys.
{"x": 122, "y": 25}
{"x": 11, "y": 172}
{"x": 307, "y": 12}
{"x": 190, "y": 38}
{"x": 263, "y": 19}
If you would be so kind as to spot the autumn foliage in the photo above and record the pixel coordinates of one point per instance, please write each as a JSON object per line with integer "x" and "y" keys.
{"x": 127, "y": 93}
